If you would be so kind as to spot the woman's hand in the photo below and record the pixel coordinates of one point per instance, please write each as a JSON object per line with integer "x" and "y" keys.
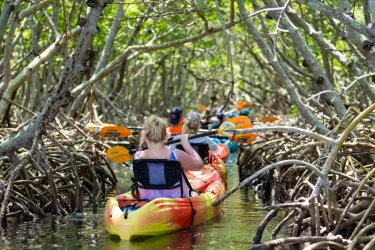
{"x": 184, "y": 139}
{"x": 190, "y": 160}
{"x": 169, "y": 135}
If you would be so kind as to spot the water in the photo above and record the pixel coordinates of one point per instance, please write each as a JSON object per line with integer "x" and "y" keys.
{"x": 233, "y": 229}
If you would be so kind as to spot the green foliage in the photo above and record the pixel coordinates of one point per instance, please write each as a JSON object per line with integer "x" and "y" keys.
{"x": 191, "y": 71}
{"x": 293, "y": 111}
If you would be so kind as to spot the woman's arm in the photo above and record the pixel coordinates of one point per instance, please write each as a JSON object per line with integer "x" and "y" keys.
{"x": 190, "y": 160}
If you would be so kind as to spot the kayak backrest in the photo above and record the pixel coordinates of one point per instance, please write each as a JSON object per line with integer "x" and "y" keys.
{"x": 158, "y": 174}
{"x": 201, "y": 148}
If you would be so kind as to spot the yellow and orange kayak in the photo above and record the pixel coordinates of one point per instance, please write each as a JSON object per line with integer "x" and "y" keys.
{"x": 165, "y": 215}
{"x": 222, "y": 152}
{"x": 200, "y": 180}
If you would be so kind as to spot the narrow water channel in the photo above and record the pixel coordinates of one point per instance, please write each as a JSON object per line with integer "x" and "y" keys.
{"x": 233, "y": 229}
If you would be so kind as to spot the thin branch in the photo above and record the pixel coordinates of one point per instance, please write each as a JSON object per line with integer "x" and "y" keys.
{"x": 50, "y": 22}
{"x": 320, "y": 93}
{"x": 231, "y": 11}
{"x": 277, "y": 28}
{"x": 295, "y": 240}
{"x": 356, "y": 80}
{"x": 269, "y": 167}
{"x": 317, "y": 5}
{"x": 229, "y": 51}
{"x": 199, "y": 14}
{"x": 34, "y": 8}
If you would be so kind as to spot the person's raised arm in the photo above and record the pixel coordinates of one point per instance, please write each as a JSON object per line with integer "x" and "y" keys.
{"x": 190, "y": 160}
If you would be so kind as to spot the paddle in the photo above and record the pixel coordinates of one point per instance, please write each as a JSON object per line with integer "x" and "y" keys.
{"x": 265, "y": 119}
{"x": 202, "y": 107}
{"x": 118, "y": 154}
{"x": 243, "y": 104}
{"x": 239, "y": 122}
{"x": 109, "y": 130}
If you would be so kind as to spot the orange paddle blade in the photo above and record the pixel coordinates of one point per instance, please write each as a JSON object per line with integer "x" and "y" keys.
{"x": 243, "y": 104}
{"x": 118, "y": 154}
{"x": 202, "y": 107}
{"x": 268, "y": 119}
{"x": 237, "y": 122}
{"x": 109, "y": 130}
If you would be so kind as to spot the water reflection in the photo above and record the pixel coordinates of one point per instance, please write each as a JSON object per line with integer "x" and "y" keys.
{"x": 185, "y": 239}
{"x": 233, "y": 229}
{"x": 192, "y": 238}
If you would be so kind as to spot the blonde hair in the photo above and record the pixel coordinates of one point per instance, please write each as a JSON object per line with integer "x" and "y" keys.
{"x": 191, "y": 122}
{"x": 155, "y": 129}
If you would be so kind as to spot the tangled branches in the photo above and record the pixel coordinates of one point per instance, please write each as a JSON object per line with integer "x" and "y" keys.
{"x": 59, "y": 175}
{"x": 324, "y": 186}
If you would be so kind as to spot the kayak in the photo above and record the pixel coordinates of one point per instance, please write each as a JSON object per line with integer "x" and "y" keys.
{"x": 128, "y": 218}
{"x": 222, "y": 152}
{"x": 232, "y": 146}
{"x": 180, "y": 240}
{"x": 200, "y": 180}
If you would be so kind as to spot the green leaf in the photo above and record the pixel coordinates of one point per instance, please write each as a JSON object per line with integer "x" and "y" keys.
{"x": 293, "y": 111}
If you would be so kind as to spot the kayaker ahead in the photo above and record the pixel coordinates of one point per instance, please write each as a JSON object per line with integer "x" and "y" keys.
{"x": 191, "y": 125}
{"x": 155, "y": 134}
{"x": 176, "y": 119}
{"x": 216, "y": 120}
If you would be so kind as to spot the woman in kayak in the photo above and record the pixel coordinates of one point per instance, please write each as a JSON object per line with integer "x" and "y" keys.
{"x": 154, "y": 134}
{"x": 191, "y": 125}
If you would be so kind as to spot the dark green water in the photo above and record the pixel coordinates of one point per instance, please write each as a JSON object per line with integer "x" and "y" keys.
{"x": 233, "y": 229}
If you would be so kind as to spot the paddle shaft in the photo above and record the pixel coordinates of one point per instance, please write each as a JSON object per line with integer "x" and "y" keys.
{"x": 179, "y": 140}
{"x": 219, "y": 136}
{"x": 192, "y": 137}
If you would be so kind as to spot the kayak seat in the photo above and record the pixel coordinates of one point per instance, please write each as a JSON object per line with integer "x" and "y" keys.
{"x": 202, "y": 149}
{"x": 158, "y": 174}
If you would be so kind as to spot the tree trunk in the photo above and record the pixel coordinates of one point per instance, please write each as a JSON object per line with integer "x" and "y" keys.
{"x": 34, "y": 77}
{"x": 20, "y": 79}
{"x": 103, "y": 59}
{"x": 321, "y": 80}
{"x": 60, "y": 95}
{"x": 6, "y": 9}
{"x": 306, "y": 113}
